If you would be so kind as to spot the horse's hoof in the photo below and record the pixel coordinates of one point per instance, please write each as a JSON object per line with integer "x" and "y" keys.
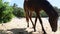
{"x": 54, "y": 30}
{"x": 34, "y": 30}
{"x": 44, "y": 33}
{"x": 27, "y": 26}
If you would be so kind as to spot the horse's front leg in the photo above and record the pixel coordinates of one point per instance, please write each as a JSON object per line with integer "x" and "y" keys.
{"x": 35, "y": 24}
{"x": 38, "y": 15}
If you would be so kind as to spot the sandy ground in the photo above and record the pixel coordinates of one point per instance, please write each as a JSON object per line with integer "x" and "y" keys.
{"x": 17, "y": 26}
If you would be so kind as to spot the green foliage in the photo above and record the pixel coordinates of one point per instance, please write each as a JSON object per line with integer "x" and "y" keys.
{"x": 5, "y": 12}
{"x": 43, "y": 14}
{"x": 34, "y": 14}
{"x": 18, "y": 12}
{"x": 1, "y": 3}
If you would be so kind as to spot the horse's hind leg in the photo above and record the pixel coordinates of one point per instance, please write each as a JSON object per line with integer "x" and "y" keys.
{"x": 27, "y": 16}
{"x": 27, "y": 19}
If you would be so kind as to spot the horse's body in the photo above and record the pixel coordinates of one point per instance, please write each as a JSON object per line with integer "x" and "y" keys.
{"x": 37, "y": 6}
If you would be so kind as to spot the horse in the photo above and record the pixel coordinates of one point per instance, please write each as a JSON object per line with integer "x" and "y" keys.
{"x": 37, "y": 6}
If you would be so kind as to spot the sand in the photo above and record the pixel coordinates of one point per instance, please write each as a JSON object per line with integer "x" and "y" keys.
{"x": 19, "y": 26}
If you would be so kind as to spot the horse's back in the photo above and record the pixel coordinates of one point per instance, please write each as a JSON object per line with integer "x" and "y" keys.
{"x": 36, "y": 4}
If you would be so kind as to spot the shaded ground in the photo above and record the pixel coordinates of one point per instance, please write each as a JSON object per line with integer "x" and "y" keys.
{"x": 19, "y": 26}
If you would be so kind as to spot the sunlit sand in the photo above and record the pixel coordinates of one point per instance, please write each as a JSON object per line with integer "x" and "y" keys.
{"x": 22, "y": 25}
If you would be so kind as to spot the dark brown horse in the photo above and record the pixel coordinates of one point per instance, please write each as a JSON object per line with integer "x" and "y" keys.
{"x": 37, "y": 6}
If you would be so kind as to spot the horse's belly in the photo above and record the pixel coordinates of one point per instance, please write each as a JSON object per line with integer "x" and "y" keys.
{"x": 31, "y": 8}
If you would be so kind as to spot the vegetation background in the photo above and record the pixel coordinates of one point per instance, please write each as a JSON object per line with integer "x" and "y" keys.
{"x": 8, "y": 12}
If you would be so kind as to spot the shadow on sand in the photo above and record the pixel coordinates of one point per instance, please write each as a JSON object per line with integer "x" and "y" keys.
{"x": 15, "y": 31}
